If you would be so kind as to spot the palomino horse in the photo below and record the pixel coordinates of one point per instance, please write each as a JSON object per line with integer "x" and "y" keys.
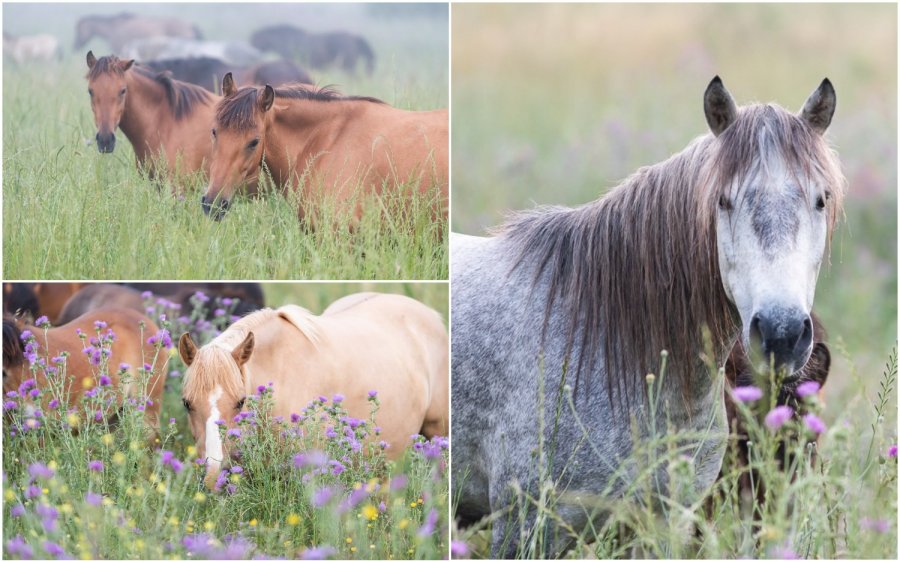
{"x": 26, "y": 48}
{"x": 344, "y": 142}
{"x": 387, "y": 343}
{"x": 130, "y": 347}
{"x": 318, "y": 50}
{"x": 721, "y": 241}
{"x": 121, "y": 28}
{"x": 159, "y": 115}
{"x": 208, "y": 72}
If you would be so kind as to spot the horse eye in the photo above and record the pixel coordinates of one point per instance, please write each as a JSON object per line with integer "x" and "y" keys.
{"x": 122, "y": 91}
{"x": 187, "y": 405}
{"x": 252, "y": 144}
{"x": 724, "y": 203}
{"x": 214, "y": 132}
{"x": 91, "y": 92}
{"x": 240, "y": 403}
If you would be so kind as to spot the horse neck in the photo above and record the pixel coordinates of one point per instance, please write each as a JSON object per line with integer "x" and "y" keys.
{"x": 146, "y": 110}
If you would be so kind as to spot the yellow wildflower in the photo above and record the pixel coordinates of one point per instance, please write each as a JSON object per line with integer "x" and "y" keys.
{"x": 118, "y": 458}
{"x": 293, "y": 519}
{"x": 370, "y": 512}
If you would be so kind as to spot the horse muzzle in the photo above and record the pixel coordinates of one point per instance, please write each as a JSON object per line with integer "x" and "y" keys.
{"x": 214, "y": 208}
{"x": 106, "y": 142}
{"x": 784, "y": 336}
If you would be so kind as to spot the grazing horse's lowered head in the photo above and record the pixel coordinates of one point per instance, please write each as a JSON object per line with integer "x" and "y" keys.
{"x": 773, "y": 217}
{"x": 107, "y": 88}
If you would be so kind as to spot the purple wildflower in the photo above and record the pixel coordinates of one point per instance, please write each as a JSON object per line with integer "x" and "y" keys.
{"x": 42, "y": 322}
{"x": 813, "y": 422}
{"x": 105, "y": 380}
{"x": 54, "y": 549}
{"x": 236, "y": 469}
{"x": 747, "y": 393}
{"x": 54, "y": 404}
{"x": 373, "y": 394}
{"x": 99, "y": 325}
{"x": 318, "y": 553}
{"x": 219, "y": 312}
{"x": 18, "y": 548}
{"x": 93, "y": 499}
{"x": 32, "y": 492}
{"x": 430, "y": 521}
{"x": 808, "y": 388}
{"x": 34, "y": 392}
{"x": 876, "y": 525}
{"x": 310, "y": 458}
{"x": 398, "y": 482}
{"x": 337, "y": 398}
{"x": 17, "y": 510}
{"x": 336, "y": 467}
{"x": 892, "y": 451}
{"x": 10, "y": 405}
{"x": 458, "y": 549}
{"x": 96, "y": 466}
{"x": 778, "y": 417}
{"x": 234, "y": 432}
{"x": 40, "y": 470}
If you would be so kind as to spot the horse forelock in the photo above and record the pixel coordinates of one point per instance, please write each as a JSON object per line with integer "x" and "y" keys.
{"x": 110, "y": 64}
{"x": 214, "y": 365}
{"x": 638, "y": 268}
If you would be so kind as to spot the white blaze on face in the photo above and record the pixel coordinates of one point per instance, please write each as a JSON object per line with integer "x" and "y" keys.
{"x": 214, "y": 453}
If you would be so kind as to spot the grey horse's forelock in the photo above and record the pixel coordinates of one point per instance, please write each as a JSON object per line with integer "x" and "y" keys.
{"x": 638, "y": 268}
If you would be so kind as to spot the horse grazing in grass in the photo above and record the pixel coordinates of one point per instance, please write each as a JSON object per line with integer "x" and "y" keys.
{"x": 159, "y": 116}
{"x": 316, "y": 137}
{"x": 722, "y": 241}
{"x": 208, "y": 72}
{"x": 81, "y": 370}
{"x": 318, "y": 50}
{"x": 39, "y": 299}
{"x": 124, "y": 27}
{"x": 387, "y": 343}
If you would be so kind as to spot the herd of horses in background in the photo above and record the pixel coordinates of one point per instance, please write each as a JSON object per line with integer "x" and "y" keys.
{"x": 363, "y": 345}
{"x": 168, "y": 90}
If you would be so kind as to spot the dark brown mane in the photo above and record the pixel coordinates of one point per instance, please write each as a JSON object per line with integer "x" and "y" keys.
{"x": 638, "y": 268}
{"x": 182, "y": 97}
{"x": 239, "y": 110}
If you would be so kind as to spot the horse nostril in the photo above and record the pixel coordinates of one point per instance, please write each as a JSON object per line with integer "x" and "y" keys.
{"x": 755, "y": 335}
{"x": 806, "y": 337}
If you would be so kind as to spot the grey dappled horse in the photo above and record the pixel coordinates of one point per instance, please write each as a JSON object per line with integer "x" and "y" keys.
{"x": 722, "y": 240}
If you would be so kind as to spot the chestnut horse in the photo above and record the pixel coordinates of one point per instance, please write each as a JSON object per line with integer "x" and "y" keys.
{"x": 363, "y": 342}
{"x": 130, "y": 347}
{"x": 316, "y": 136}
{"x": 159, "y": 116}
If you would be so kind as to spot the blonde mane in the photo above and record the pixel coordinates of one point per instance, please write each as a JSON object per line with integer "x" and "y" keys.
{"x": 214, "y": 366}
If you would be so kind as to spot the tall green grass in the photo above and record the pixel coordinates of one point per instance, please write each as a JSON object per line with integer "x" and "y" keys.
{"x": 293, "y": 493}
{"x": 72, "y": 213}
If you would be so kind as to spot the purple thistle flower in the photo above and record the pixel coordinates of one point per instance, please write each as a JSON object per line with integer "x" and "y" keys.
{"x": 32, "y": 492}
{"x": 105, "y": 380}
{"x": 99, "y": 325}
{"x": 373, "y": 394}
{"x": 330, "y": 432}
{"x": 146, "y": 295}
{"x": 237, "y": 469}
{"x": 892, "y": 451}
{"x": 318, "y": 553}
{"x": 124, "y": 367}
{"x": 54, "y": 404}
{"x": 12, "y": 394}
{"x": 17, "y": 510}
{"x": 747, "y": 393}
{"x": 10, "y": 405}
{"x": 45, "y": 511}
{"x": 39, "y": 470}
{"x": 430, "y": 521}
{"x": 93, "y": 499}
{"x": 18, "y": 548}
{"x": 808, "y": 388}
{"x": 336, "y": 467}
{"x": 34, "y": 393}
{"x": 42, "y": 322}
{"x": 778, "y": 417}
{"x": 26, "y": 335}
{"x": 219, "y": 312}
{"x": 322, "y": 496}
{"x": 398, "y": 482}
{"x": 96, "y": 466}
{"x": 337, "y": 398}
{"x": 813, "y": 422}
{"x": 201, "y": 296}
{"x": 310, "y": 458}
{"x": 54, "y": 549}
{"x": 459, "y": 549}
{"x": 234, "y": 432}
{"x": 295, "y": 418}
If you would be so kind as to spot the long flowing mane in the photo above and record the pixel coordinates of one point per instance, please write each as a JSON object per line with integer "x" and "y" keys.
{"x": 638, "y": 268}
{"x": 238, "y": 111}
{"x": 181, "y": 96}
{"x": 214, "y": 359}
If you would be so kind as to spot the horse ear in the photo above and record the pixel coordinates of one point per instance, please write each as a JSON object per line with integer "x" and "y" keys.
{"x": 819, "y": 107}
{"x": 187, "y": 349}
{"x": 719, "y": 107}
{"x": 267, "y": 98}
{"x": 228, "y": 87}
{"x": 126, "y": 65}
{"x": 91, "y": 59}
{"x": 242, "y": 352}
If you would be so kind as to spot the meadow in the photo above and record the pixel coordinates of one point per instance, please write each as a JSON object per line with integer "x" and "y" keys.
{"x": 100, "y": 492}
{"x": 557, "y": 104}
{"x": 70, "y": 212}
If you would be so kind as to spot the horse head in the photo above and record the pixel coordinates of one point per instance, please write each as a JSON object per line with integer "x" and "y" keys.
{"x": 238, "y": 143}
{"x": 776, "y": 190}
{"x": 108, "y": 89}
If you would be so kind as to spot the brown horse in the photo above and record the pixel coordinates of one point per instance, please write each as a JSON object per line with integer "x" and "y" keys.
{"x": 316, "y": 137}
{"x": 130, "y": 347}
{"x": 121, "y": 28}
{"x": 95, "y": 296}
{"x": 391, "y": 344}
{"x": 159, "y": 116}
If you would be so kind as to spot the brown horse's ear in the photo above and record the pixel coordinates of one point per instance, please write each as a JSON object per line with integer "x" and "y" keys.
{"x": 267, "y": 98}
{"x": 91, "y": 59}
{"x": 126, "y": 65}
{"x": 719, "y": 107}
{"x": 187, "y": 349}
{"x": 242, "y": 352}
{"x": 228, "y": 87}
{"x": 819, "y": 107}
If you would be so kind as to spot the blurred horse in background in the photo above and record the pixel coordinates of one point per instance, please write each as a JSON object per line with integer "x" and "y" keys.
{"x": 208, "y": 72}
{"x": 121, "y": 28}
{"x": 318, "y": 50}
{"x": 156, "y": 48}
{"x": 25, "y": 48}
